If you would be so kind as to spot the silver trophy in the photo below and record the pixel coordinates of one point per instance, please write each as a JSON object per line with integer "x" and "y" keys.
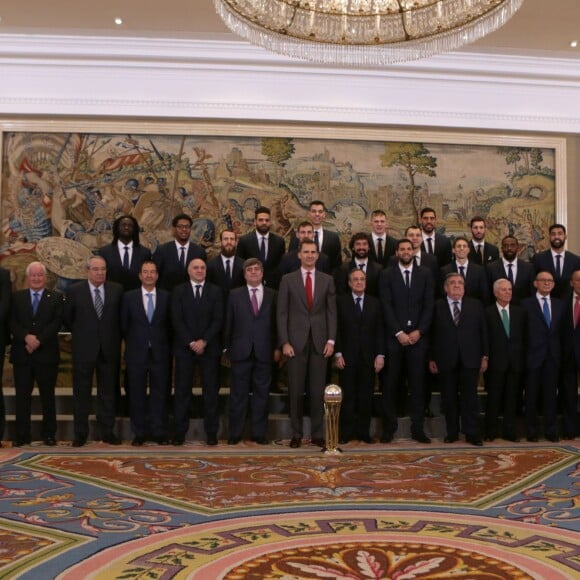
{"x": 332, "y": 401}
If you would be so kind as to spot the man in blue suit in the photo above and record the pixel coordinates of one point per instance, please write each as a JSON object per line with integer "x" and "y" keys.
{"x": 544, "y": 356}
{"x": 197, "y": 313}
{"x": 145, "y": 323}
{"x": 250, "y": 342}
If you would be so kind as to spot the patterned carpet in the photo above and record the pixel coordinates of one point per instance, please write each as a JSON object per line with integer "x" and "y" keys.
{"x": 397, "y": 511}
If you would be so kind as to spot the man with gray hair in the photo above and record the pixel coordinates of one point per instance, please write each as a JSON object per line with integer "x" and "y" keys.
{"x": 36, "y": 318}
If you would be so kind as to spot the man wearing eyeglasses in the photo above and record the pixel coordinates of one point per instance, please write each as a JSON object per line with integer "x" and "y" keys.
{"x": 544, "y": 314}
{"x": 172, "y": 258}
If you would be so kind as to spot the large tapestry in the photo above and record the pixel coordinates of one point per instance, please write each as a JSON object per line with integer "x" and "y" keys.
{"x": 61, "y": 192}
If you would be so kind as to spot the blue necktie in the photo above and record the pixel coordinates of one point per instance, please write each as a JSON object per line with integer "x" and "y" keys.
{"x": 150, "y": 306}
{"x": 35, "y": 302}
{"x": 126, "y": 258}
{"x": 510, "y": 274}
{"x": 462, "y": 271}
{"x": 546, "y": 311}
{"x": 99, "y": 305}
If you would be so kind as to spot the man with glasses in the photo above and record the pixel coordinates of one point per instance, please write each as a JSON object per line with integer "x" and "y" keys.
{"x": 173, "y": 258}
{"x": 545, "y": 314}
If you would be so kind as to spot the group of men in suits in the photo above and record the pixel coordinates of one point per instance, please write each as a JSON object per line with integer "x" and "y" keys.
{"x": 403, "y": 309}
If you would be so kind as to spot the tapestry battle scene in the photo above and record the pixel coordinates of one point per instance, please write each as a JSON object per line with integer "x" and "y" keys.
{"x": 61, "y": 192}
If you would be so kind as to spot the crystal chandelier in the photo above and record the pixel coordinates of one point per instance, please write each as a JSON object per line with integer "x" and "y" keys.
{"x": 364, "y": 32}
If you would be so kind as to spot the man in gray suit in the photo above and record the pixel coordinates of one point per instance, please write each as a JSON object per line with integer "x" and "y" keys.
{"x": 306, "y": 317}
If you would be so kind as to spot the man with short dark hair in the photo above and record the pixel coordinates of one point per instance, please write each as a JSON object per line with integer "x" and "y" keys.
{"x": 359, "y": 246}
{"x": 226, "y": 269}
{"x": 265, "y": 245}
{"x": 291, "y": 262}
{"x": 172, "y": 258}
{"x": 420, "y": 257}
{"x": 480, "y": 251}
{"x": 435, "y": 244}
{"x": 382, "y": 246}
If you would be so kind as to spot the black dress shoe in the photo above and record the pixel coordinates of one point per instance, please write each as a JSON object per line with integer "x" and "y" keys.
{"x": 489, "y": 438}
{"x": 111, "y": 439}
{"x": 553, "y": 438}
{"x": 367, "y": 440}
{"x": 260, "y": 440}
{"x": 177, "y": 441}
{"x": 50, "y": 441}
{"x": 532, "y": 439}
{"x": 451, "y": 439}
{"x": 21, "y": 442}
{"x": 212, "y": 440}
{"x": 474, "y": 441}
{"x": 295, "y": 442}
{"x": 511, "y": 438}
{"x": 387, "y": 438}
{"x": 138, "y": 441}
{"x": 79, "y": 442}
{"x": 160, "y": 440}
{"x": 318, "y": 441}
{"x": 234, "y": 440}
{"x": 421, "y": 438}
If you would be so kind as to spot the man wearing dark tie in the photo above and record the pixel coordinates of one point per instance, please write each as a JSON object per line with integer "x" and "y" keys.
{"x": 306, "y": 321}
{"x": 476, "y": 285}
{"x": 172, "y": 258}
{"x": 434, "y": 244}
{"x": 544, "y": 357}
{"x": 91, "y": 312}
{"x": 459, "y": 352}
{"x": 5, "y": 301}
{"x": 510, "y": 267}
{"x": 359, "y": 246}
{"x": 506, "y": 328}
{"x": 264, "y": 245}
{"x": 291, "y": 262}
{"x": 558, "y": 261}
{"x": 571, "y": 358}
{"x": 250, "y": 342}
{"x": 383, "y": 246}
{"x": 407, "y": 295}
{"x": 420, "y": 257}
{"x": 36, "y": 318}
{"x": 197, "y": 313}
{"x": 360, "y": 355}
{"x": 226, "y": 270}
{"x": 481, "y": 252}
{"x": 125, "y": 254}
{"x": 146, "y": 328}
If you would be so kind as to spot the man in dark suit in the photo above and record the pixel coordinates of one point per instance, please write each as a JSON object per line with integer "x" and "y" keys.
{"x": 197, "y": 313}
{"x": 250, "y": 342}
{"x": 327, "y": 242}
{"x": 264, "y": 245}
{"x": 291, "y": 262}
{"x": 226, "y": 270}
{"x": 5, "y": 301}
{"x": 510, "y": 267}
{"x": 544, "y": 356}
{"x": 558, "y": 261}
{"x": 476, "y": 285}
{"x": 571, "y": 358}
{"x": 359, "y": 246}
{"x": 91, "y": 312}
{"x": 433, "y": 243}
{"x": 407, "y": 295}
{"x": 420, "y": 257}
{"x": 383, "y": 246}
{"x": 145, "y": 323}
{"x": 459, "y": 352}
{"x": 124, "y": 255}
{"x": 506, "y": 328}
{"x": 306, "y": 320}
{"x": 480, "y": 251}
{"x": 360, "y": 355}
{"x": 36, "y": 318}
{"x": 172, "y": 258}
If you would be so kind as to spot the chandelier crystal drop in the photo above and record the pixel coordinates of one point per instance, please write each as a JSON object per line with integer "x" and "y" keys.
{"x": 364, "y": 32}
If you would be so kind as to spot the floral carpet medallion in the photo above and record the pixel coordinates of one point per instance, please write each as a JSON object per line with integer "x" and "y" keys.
{"x": 345, "y": 545}
{"x": 387, "y": 512}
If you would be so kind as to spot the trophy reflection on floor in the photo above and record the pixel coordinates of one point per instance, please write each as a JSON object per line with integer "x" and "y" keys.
{"x": 332, "y": 401}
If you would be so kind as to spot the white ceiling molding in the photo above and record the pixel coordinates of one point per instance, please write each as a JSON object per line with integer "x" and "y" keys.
{"x": 201, "y": 79}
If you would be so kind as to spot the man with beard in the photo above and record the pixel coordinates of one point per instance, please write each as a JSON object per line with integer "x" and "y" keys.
{"x": 383, "y": 246}
{"x": 290, "y": 260}
{"x": 227, "y": 269}
{"x": 435, "y": 244}
{"x": 420, "y": 257}
{"x": 264, "y": 245}
{"x": 480, "y": 251}
{"x": 510, "y": 267}
{"x": 407, "y": 297}
{"x": 359, "y": 246}
{"x": 557, "y": 261}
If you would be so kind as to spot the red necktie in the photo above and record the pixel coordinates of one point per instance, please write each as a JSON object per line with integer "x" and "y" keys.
{"x": 577, "y": 312}
{"x": 308, "y": 286}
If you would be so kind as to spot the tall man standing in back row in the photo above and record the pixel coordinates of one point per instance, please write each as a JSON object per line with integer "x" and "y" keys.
{"x": 481, "y": 251}
{"x": 306, "y": 319}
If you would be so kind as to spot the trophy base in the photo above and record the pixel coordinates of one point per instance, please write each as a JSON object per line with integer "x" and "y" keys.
{"x": 336, "y": 451}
